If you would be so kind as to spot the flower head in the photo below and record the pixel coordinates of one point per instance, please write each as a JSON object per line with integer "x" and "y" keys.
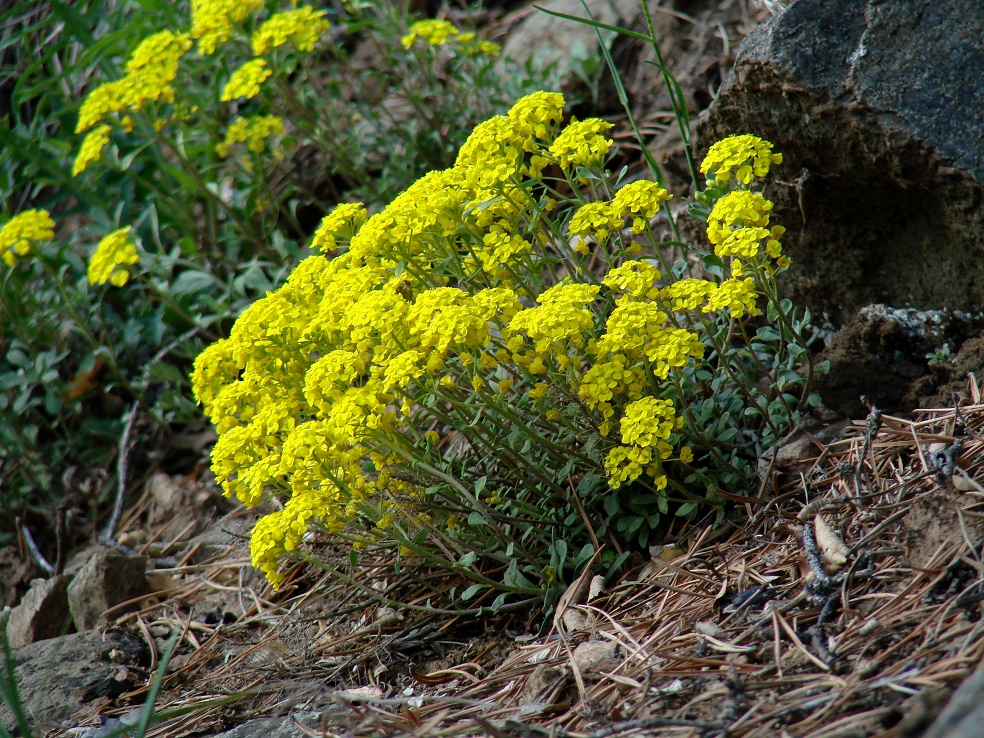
{"x": 749, "y": 155}
{"x": 18, "y": 233}
{"x": 301, "y": 28}
{"x": 738, "y": 209}
{"x": 91, "y": 149}
{"x": 582, "y": 144}
{"x": 212, "y": 21}
{"x": 341, "y": 223}
{"x": 109, "y": 261}
{"x": 246, "y": 81}
{"x": 254, "y": 132}
{"x": 434, "y": 31}
{"x": 641, "y": 201}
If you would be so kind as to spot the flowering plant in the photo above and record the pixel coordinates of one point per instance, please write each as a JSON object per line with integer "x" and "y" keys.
{"x": 506, "y": 367}
{"x": 185, "y": 152}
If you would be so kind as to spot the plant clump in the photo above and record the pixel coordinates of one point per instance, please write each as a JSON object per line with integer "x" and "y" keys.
{"x": 506, "y": 366}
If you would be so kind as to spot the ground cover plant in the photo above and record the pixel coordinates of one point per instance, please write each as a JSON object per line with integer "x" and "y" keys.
{"x": 506, "y": 367}
{"x": 164, "y": 165}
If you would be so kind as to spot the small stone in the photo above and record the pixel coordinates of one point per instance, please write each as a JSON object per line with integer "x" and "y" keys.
{"x": 596, "y": 656}
{"x": 108, "y": 579}
{"x": 42, "y": 614}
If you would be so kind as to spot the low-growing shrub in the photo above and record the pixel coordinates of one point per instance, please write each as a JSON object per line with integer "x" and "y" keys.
{"x": 505, "y": 368}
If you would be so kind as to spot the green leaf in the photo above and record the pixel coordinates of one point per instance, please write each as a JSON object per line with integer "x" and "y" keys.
{"x": 18, "y": 358}
{"x": 612, "y": 505}
{"x": 468, "y": 559}
{"x": 686, "y": 509}
{"x": 472, "y": 591}
{"x": 499, "y": 602}
{"x": 192, "y": 282}
{"x": 480, "y": 485}
{"x": 475, "y": 519}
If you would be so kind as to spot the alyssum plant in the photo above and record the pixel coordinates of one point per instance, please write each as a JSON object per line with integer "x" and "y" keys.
{"x": 505, "y": 368}
{"x": 211, "y": 137}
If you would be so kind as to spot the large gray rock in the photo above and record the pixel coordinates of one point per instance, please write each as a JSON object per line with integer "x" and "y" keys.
{"x": 878, "y": 108}
{"x": 57, "y": 677}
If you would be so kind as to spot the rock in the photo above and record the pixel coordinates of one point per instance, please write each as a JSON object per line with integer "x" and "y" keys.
{"x": 218, "y": 540}
{"x": 281, "y": 727}
{"x": 107, "y": 579}
{"x": 596, "y": 656}
{"x": 963, "y": 715}
{"x": 57, "y": 677}
{"x": 882, "y": 352}
{"x": 553, "y": 39}
{"x": 42, "y": 614}
{"x": 16, "y": 574}
{"x": 878, "y": 110}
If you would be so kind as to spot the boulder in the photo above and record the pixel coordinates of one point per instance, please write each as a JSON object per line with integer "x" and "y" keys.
{"x": 878, "y": 109}
{"x": 58, "y": 677}
{"x": 108, "y": 579}
{"x": 886, "y": 354}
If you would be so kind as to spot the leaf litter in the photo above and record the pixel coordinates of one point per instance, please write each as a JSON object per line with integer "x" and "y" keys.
{"x": 784, "y": 625}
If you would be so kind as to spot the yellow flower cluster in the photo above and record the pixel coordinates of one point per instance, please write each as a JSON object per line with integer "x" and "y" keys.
{"x": 640, "y": 200}
{"x": 301, "y": 28}
{"x": 111, "y": 258}
{"x": 340, "y": 224}
{"x": 91, "y": 149}
{"x": 213, "y": 21}
{"x": 246, "y": 81}
{"x": 738, "y": 226}
{"x": 472, "y": 45}
{"x": 435, "y": 32}
{"x": 743, "y": 157}
{"x": 582, "y": 144}
{"x": 20, "y": 231}
{"x": 646, "y": 428}
{"x": 151, "y": 68}
{"x": 254, "y": 132}
{"x": 315, "y": 391}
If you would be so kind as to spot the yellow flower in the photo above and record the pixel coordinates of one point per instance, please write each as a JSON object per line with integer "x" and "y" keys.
{"x": 737, "y": 295}
{"x": 749, "y": 155}
{"x": 647, "y": 421}
{"x": 91, "y": 149}
{"x": 18, "y": 233}
{"x": 625, "y": 463}
{"x": 212, "y": 21}
{"x": 581, "y": 144}
{"x": 162, "y": 49}
{"x": 435, "y": 32}
{"x": 641, "y": 200}
{"x": 301, "y": 27}
{"x": 634, "y": 278}
{"x": 152, "y": 67}
{"x": 109, "y": 261}
{"x": 246, "y": 81}
{"x": 594, "y": 220}
{"x": 738, "y": 209}
{"x": 253, "y": 131}
{"x": 341, "y": 223}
